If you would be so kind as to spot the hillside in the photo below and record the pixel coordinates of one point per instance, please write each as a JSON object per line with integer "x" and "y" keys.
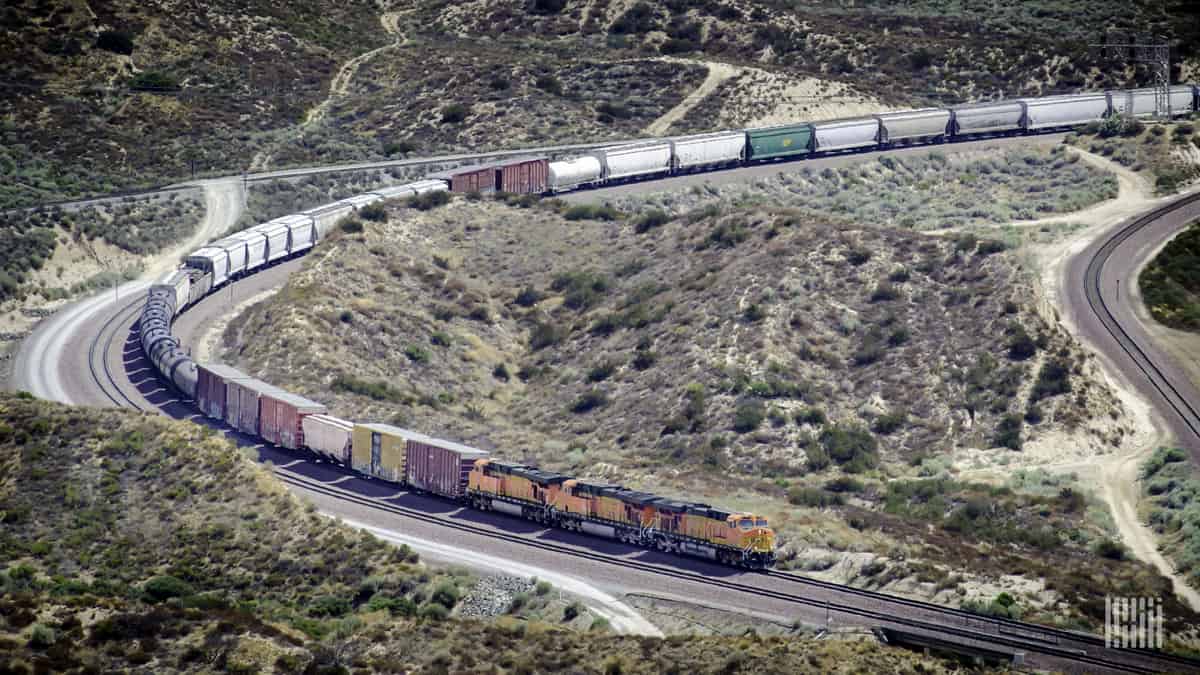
{"x": 142, "y": 94}
{"x": 132, "y": 542}
{"x": 1170, "y": 283}
{"x": 755, "y": 356}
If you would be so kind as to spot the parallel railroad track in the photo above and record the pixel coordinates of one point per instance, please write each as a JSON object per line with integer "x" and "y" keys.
{"x": 1154, "y": 375}
{"x": 102, "y": 373}
{"x": 1016, "y": 636}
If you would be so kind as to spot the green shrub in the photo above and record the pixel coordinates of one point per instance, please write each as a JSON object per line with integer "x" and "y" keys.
{"x": 542, "y": 588}
{"x": 844, "y": 484}
{"x": 572, "y": 610}
{"x": 1113, "y": 550}
{"x": 41, "y": 636}
{"x": 813, "y": 497}
{"x": 889, "y": 423}
{"x": 816, "y": 458}
{"x": 1020, "y": 345}
{"x": 748, "y": 415}
{"x": 1008, "y": 432}
{"x": 350, "y": 225}
{"x": 500, "y": 372}
{"x": 589, "y": 401}
{"x": 440, "y": 339}
{"x": 858, "y": 256}
{"x": 644, "y": 360}
{"x": 455, "y": 113}
{"x": 884, "y": 292}
{"x": 549, "y": 83}
{"x": 329, "y": 606}
{"x": 851, "y": 446}
{"x": 810, "y": 415}
{"x": 1053, "y": 378}
{"x": 545, "y": 334}
{"x": 433, "y": 611}
{"x": 601, "y": 371}
{"x": 650, "y": 221}
{"x": 517, "y": 603}
{"x": 153, "y": 80}
{"x": 380, "y": 391}
{"x": 528, "y": 297}
{"x": 165, "y": 587}
{"x": 446, "y": 594}
{"x": 115, "y": 41}
{"x": 581, "y": 290}
{"x": 429, "y": 200}
{"x": 591, "y": 212}
{"x": 417, "y": 354}
{"x": 898, "y": 337}
{"x": 753, "y": 313}
{"x": 374, "y": 212}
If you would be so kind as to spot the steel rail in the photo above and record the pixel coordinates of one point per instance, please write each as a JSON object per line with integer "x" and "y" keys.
{"x": 112, "y": 331}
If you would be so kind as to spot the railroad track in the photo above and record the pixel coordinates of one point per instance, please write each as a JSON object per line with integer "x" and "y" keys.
{"x": 102, "y": 373}
{"x": 1035, "y": 638}
{"x": 1029, "y": 638}
{"x": 1154, "y": 375}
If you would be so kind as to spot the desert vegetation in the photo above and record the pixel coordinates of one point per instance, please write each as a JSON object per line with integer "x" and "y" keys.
{"x": 1171, "y": 282}
{"x": 131, "y": 542}
{"x": 1168, "y": 154}
{"x": 930, "y": 192}
{"x": 134, "y": 226}
{"x": 1172, "y": 488}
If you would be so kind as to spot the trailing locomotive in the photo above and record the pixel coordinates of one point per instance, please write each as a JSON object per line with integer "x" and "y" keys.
{"x": 472, "y": 476}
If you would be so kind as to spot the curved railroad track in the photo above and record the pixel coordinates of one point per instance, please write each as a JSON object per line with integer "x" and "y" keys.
{"x": 1155, "y": 374}
{"x": 1063, "y": 647}
{"x": 98, "y": 363}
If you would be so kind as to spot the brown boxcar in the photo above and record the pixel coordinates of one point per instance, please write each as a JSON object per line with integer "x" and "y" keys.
{"x": 523, "y": 175}
{"x": 438, "y": 466}
{"x": 280, "y": 415}
{"x": 242, "y": 406}
{"x": 211, "y": 387}
{"x": 473, "y": 178}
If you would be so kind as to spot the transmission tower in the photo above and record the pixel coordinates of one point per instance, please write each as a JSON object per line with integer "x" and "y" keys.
{"x": 1153, "y": 50}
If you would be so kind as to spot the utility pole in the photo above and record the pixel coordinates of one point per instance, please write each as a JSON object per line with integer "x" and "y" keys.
{"x": 1153, "y": 50}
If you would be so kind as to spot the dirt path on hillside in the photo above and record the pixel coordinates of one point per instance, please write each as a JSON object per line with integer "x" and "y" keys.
{"x": 340, "y": 86}
{"x": 717, "y": 74}
{"x": 1116, "y": 475}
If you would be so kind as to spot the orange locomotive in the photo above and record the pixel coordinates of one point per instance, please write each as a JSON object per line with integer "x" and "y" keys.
{"x": 612, "y": 511}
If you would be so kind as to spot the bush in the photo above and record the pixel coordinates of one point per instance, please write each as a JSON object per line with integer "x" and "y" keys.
{"x": 1020, "y": 345}
{"x": 41, "y": 636}
{"x": 990, "y": 246}
{"x": 813, "y": 416}
{"x": 1053, "y": 379}
{"x": 528, "y": 297}
{"x": 115, "y": 41}
{"x": 1008, "y": 432}
{"x": 889, "y": 423}
{"x": 844, "y": 484}
{"x": 433, "y": 611}
{"x": 582, "y": 290}
{"x": 898, "y": 337}
{"x": 380, "y": 391}
{"x": 549, "y": 84}
{"x": 748, "y": 416}
{"x": 650, "y": 221}
{"x": 858, "y": 256}
{"x": 852, "y": 447}
{"x": 163, "y": 588}
{"x": 572, "y": 610}
{"x": 816, "y": 458}
{"x": 455, "y": 113}
{"x": 500, "y": 372}
{"x": 589, "y": 401}
{"x": 394, "y": 606}
{"x": 813, "y": 497}
{"x": 545, "y": 334}
{"x": 884, "y": 292}
{"x": 401, "y": 147}
{"x": 445, "y": 594}
{"x": 547, "y": 7}
{"x": 591, "y": 212}
{"x": 602, "y": 371}
{"x": 350, "y": 225}
{"x": 429, "y": 200}
{"x": 329, "y": 606}
{"x": 638, "y": 19}
{"x": 153, "y": 80}
{"x": 1108, "y": 548}
{"x": 644, "y": 360}
{"x": 374, "y": 212}
{"x": 417, "y": 354}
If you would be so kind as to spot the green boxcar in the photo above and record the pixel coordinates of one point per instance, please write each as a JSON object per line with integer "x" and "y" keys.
{"x": 785, "y": 141}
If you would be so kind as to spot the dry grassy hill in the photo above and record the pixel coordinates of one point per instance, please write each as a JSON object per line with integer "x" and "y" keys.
{"x": 134, "y": 543}
{"x": 760, "y": 357}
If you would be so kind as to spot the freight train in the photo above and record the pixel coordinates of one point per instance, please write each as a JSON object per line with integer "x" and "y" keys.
{"x": 473, "y": 476}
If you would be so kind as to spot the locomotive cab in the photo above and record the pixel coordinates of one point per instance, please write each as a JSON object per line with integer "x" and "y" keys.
{"x": 753, "y": 534}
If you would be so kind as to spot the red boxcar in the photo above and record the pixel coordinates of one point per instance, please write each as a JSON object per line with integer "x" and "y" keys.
{"x": 280, "y": 414}
{"x": 242, "y": 408}
{"x": 473, "y": 178}
{"x": 440, "y": 467}
{"x": 211, "y": 389}
{"x": 523, "y": 175}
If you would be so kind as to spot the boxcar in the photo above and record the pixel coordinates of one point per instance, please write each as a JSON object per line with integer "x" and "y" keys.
{"x": 328, "y": 436}
{"x": 212, "y": 389}
{"x": 639, "y": 159}
{"x": 1064, "y": 111}
{"x": 913, "y": 125}
{"x": 470, "y": 178}
{"x": 302, "y": 232}
{"x": 982, "y": 118}
{"x": 326, "y": 217}
{"x": 845, "y": 134}
{"x": 213, "y": 260}
{"x": 704, "y": 150}
{"x": 1141, "y": 102}
{"x": 281, "y": 414}
{"x": 278, "y": 236}
{"x": 523, "y": 175}
{"x": 438, "y": 466}
{"x": 256, "y": 247}
{"x": 790, "y": 140}
{"x": 574, "y": 173}
{"x": 238, "y": 254}
{"x": 242, "y": 403}
{"x": 378, "y": 450}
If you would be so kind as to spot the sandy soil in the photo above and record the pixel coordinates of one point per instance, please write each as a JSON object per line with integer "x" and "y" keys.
{"x": 208, "y": 343}
{"x": 717, "y": 74}
{"x": 761, "y": 98}
{"x": 340, "y": 85}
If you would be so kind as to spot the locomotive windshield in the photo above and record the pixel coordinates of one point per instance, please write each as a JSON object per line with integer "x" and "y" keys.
{"x": 746, "y": 523}
{"x": 762, "y": 522}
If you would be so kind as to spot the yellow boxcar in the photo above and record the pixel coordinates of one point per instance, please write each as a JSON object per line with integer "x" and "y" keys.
{"x": 378, "y": 450}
